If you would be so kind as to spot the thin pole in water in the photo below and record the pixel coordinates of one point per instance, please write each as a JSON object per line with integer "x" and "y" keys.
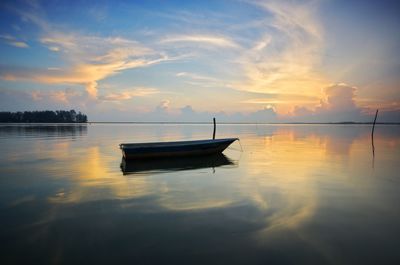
{"x": 373, "y": 126}
{"x": 214, "y": 129}
{"x": 372, "y": 134}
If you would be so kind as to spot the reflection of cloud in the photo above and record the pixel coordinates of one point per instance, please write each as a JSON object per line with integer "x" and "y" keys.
{"x": 282, "y": 179}
{"x": 93, "y": 179}
{"x": 192, "y": 203}
{"x": 92, "y": 174}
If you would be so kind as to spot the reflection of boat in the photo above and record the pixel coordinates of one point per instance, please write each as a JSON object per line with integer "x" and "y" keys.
{"x": 174, "y": 163}
{"x": 172, "y": 149}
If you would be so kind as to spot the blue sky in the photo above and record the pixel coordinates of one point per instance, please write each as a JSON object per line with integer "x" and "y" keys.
{"x": 264, "y": 61}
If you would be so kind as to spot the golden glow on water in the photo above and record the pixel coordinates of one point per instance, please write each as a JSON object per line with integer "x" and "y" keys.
{"x": 284, "y": 165}
{"x": 94, "y": 179}
{"x": 288, "y": 164}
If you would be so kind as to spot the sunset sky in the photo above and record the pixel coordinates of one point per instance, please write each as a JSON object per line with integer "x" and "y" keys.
{"x": 244, "y": 61}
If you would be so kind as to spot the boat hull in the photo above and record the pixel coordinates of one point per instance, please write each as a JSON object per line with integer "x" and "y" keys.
{"x": 175, "y": 149}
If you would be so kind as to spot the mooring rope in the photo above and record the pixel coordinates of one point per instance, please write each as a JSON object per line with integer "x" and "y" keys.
{"x": 241, "y": 148}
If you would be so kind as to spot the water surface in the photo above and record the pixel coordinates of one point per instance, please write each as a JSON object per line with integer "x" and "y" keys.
{"x": 297, "y": 194}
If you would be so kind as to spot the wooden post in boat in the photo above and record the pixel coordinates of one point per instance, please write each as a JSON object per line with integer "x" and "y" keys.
{"x": 214, "y": 129}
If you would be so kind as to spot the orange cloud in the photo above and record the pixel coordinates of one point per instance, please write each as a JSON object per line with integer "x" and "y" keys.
{"x": 339, "y": 97}
{"x": 337, "y": 104}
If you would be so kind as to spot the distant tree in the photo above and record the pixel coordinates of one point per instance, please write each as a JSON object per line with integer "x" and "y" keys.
{"x": 81, "y": 117}
{"x": 46, "y": 116}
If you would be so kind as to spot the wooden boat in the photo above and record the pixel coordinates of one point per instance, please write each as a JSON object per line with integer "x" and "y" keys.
{"x": 175, "y": 149}
{"x": 168, "y": 164}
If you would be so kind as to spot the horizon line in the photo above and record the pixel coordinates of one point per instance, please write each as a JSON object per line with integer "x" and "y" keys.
{"x": 204, "y": 122}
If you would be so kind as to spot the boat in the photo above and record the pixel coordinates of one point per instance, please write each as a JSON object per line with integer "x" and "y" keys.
{"x": 169, "y": 164}
{"x": 175, "y": 149}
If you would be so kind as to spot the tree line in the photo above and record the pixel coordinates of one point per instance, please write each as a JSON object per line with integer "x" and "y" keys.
{"x": 45, "y": 116}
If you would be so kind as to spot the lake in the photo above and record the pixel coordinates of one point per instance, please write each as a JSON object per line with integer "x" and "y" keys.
{"x": 286, "y": 194}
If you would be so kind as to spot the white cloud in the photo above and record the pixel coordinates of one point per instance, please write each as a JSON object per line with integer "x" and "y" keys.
{"x": 212, "y": 40}
{"x": 195, "y": 76}
{"x": 13, "y": 41}
{"x": 19, "y": 44}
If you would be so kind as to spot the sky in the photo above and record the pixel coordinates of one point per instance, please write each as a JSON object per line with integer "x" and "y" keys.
{"x": 238, "y": 61}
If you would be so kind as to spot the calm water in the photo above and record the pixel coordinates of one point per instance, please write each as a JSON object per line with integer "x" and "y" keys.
{"x": 297, "y": 194}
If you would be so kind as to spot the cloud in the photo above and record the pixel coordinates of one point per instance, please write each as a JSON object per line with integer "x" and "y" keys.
{"x": 20, "y": 100}
{"x": 89, "y": 59}
{"x": 300, "y": 111}
{"x": 36, "y": 95}
{"x": 200, "y": 79}
{"x": 212, "y": 40}
{"x": 10, "y": 40}
{"x": 337, "y": 105}
{"x": 54, "y": 48}
{"x": 277, "y": 98}
{"x": 129, "y": 94}
{"x": 19, "y": 44}
{"x": 266, "y": 115}
{"x": 195, "y": 76}
{"x": 203, "y": 81}
{"x": 166, "y": 111}
{"x": 339, "y": 97}
{"x": 58, "y": 96}
{"x": 164, "y": 105}
{"x": 285, "y": 56}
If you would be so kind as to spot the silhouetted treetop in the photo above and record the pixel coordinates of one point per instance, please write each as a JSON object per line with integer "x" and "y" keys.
{"x": 46, "y": 116}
